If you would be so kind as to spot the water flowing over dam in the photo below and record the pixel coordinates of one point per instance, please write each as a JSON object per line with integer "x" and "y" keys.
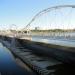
{"x": 42, "y": 57}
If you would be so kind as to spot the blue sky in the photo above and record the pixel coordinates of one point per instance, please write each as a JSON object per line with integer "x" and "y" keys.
{"x": 20, "y": 12}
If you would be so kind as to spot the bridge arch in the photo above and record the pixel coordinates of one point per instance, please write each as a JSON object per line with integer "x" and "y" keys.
{"x": 54, "y": 9}
{"x": 47, "y": 10}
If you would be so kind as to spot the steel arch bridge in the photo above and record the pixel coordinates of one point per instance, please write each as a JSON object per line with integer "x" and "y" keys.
{"x": 27, "y": 29}
{"x": 46, "y": 11}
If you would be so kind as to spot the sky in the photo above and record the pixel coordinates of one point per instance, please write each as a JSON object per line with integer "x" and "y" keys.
{"x": 20, "y": 12}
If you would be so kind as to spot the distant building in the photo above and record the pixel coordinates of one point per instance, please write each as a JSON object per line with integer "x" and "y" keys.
{"x": 37, "y": 28}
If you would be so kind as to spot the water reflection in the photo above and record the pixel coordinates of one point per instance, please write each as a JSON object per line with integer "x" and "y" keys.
{"x": 7, "y": 64}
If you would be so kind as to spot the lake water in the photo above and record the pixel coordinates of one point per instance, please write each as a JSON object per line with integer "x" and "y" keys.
{"x": 63, "y": 41}
{"x": 7, "y": 64}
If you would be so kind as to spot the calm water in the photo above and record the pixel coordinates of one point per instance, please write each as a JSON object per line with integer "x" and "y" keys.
{"x": 7, "y": 64}
{"x": 69, "y": 41}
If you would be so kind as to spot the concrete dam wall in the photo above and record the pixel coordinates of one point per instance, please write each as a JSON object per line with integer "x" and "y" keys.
{"x": 62, "y": 53}
{"x": 55, "y": 58}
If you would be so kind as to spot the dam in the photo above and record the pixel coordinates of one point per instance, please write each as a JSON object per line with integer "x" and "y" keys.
{"x": 43, "y": 58}
{"x": 46, "y": 46}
